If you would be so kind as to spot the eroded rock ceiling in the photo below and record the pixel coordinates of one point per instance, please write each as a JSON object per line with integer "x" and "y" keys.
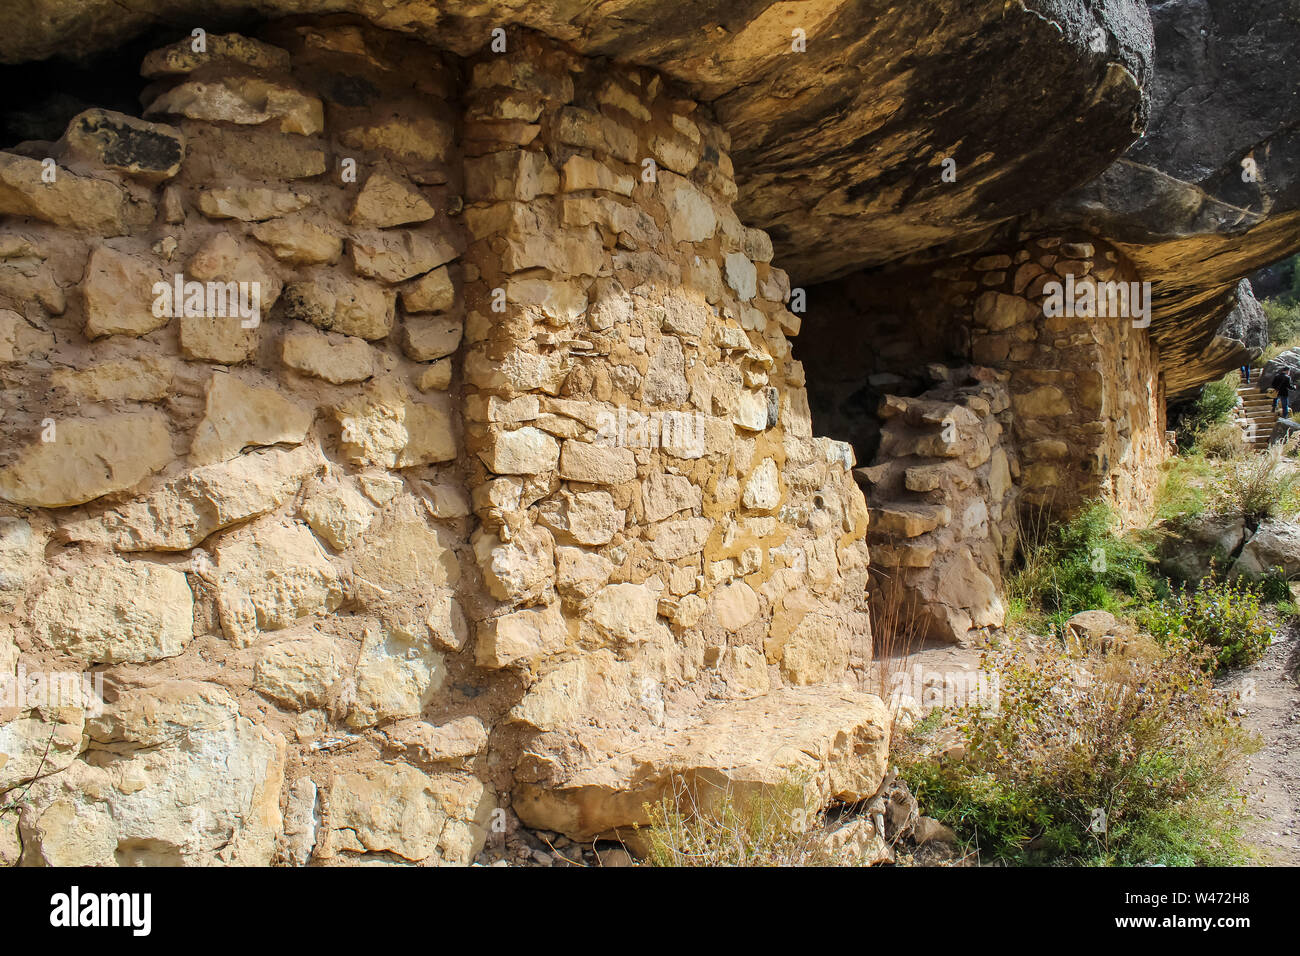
{"x": 838, "y": 149}
{"x": 1139, "y": 114}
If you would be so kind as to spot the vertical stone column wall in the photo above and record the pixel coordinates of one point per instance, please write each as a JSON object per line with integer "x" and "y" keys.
{"x": 508, "y": 496}
{"x": 1086, "y": 391}
{"x": 661, "y": 537}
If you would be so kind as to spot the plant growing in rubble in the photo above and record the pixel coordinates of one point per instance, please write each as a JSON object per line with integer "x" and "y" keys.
{"x": 1122, "y": 755}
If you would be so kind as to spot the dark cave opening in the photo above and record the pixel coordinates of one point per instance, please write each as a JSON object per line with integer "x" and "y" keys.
{"x": 871, "y": 334}
{"x": 39, "y": 99}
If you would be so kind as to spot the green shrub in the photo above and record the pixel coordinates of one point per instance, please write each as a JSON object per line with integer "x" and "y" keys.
{"x": 1258, "y": 487}
{"x": 1081, "y": 565}
{"x": 1118, "y": 757}
{"x": 1283, "y": 320}
{"x": 1224, "y": 440}
{"x": 1274, "y": 587}
{"x": 1226, "y": 618}
{"x": 1212, "y": 407}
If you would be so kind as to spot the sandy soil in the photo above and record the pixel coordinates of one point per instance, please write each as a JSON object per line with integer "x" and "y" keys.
{"x": 1271, "y": 699}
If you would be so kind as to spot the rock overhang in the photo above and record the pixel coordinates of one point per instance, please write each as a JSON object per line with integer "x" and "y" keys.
{"x": 844, "y": 137}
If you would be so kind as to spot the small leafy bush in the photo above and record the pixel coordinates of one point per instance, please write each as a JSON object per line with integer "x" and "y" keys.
{"x": 1118, "y": 756}
{"x": 1212, "y": 407}
{"x": 1225, "y": 618}
{"x": 1081, "y": 565}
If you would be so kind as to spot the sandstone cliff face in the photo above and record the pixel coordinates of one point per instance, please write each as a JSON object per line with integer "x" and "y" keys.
{"x": 1211, "y": 191}
{"x": 500, "y": 499}
{"x": 845, "y": 139}
{"x": 508, "y": 495}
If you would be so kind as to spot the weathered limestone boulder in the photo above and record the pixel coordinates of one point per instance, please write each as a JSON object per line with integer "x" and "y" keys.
{"x": 833, "y": 743}
{"x": 301, "y": 822}
{"x": 431, "y": 292}
{"x": 268, "y": 575}
{"x": 297, "y": 671}
{"x": 174, "y": 775}
{"x": 1206, "y": 543}
{"x": 387, "y": 426}
{"x": 1274, "y": 545}
{"x": 118, "y": 294}
{"x": 22, "y": 554}
{"x": 339, "y": 303}
{"x": 518, "y": 571}
{"x": 184, "y": 511}
{"x": 80, "y": 459}
{"x": 119, "y": 611}
{"x": 237, "y": 415}
{"x": 395, "y": 808}
{"x": 142, "y": 379}
{"x": 181, "y": 57}
{"x": 454, "y": 743}
{"x": 244, "y": 100}
{"x": 433, "y": 337}
{"x": 403, "y": 550}
{"x": 525, "y": 636}
{"x": 38, "y": 741}
{"x": 299, "y": 241}
{"x": 251, "y": 203}
{"x": 339, "y": 513}
{"x": 333, "y": 358}
{"x": 150, "y": 152}
{"x": 386, "y": 200}
{"x": 855, "y": 842}
{"x": 396, "y": 255}
{"x": 396, "y": 675}
{"x": 70, "y": 201}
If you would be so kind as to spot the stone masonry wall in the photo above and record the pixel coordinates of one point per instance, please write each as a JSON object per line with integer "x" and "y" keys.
{"x": 1087, "y": 391}
{"x": 1087, "y": 394}
{"x": 508, "y": 503}
{"x": 1075, "y": 412}
{"x": 663, "y": 538}
{"x": 944, "y": 507}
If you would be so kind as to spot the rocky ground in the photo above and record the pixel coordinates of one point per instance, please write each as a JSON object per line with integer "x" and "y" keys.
{"x": 1271, "y": 700}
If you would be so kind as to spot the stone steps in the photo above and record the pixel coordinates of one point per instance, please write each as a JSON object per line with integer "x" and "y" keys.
{"x": 1257, "y": 408}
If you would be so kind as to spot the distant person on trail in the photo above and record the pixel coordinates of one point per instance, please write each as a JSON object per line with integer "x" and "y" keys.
{"x": 1282, "y": 385}
{"x": 1245, "y": 374}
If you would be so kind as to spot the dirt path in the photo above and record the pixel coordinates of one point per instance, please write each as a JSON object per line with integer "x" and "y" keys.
{"x": 1272, "y": 703}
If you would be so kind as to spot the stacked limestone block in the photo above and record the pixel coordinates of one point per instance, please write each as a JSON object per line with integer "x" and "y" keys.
{"x": 254, "y": 529}
{"x": 674, "y": 567}
{"x": 1087, "y": 395}
{"x": 943, "y": 507}
{"x": 358, "y": 574}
